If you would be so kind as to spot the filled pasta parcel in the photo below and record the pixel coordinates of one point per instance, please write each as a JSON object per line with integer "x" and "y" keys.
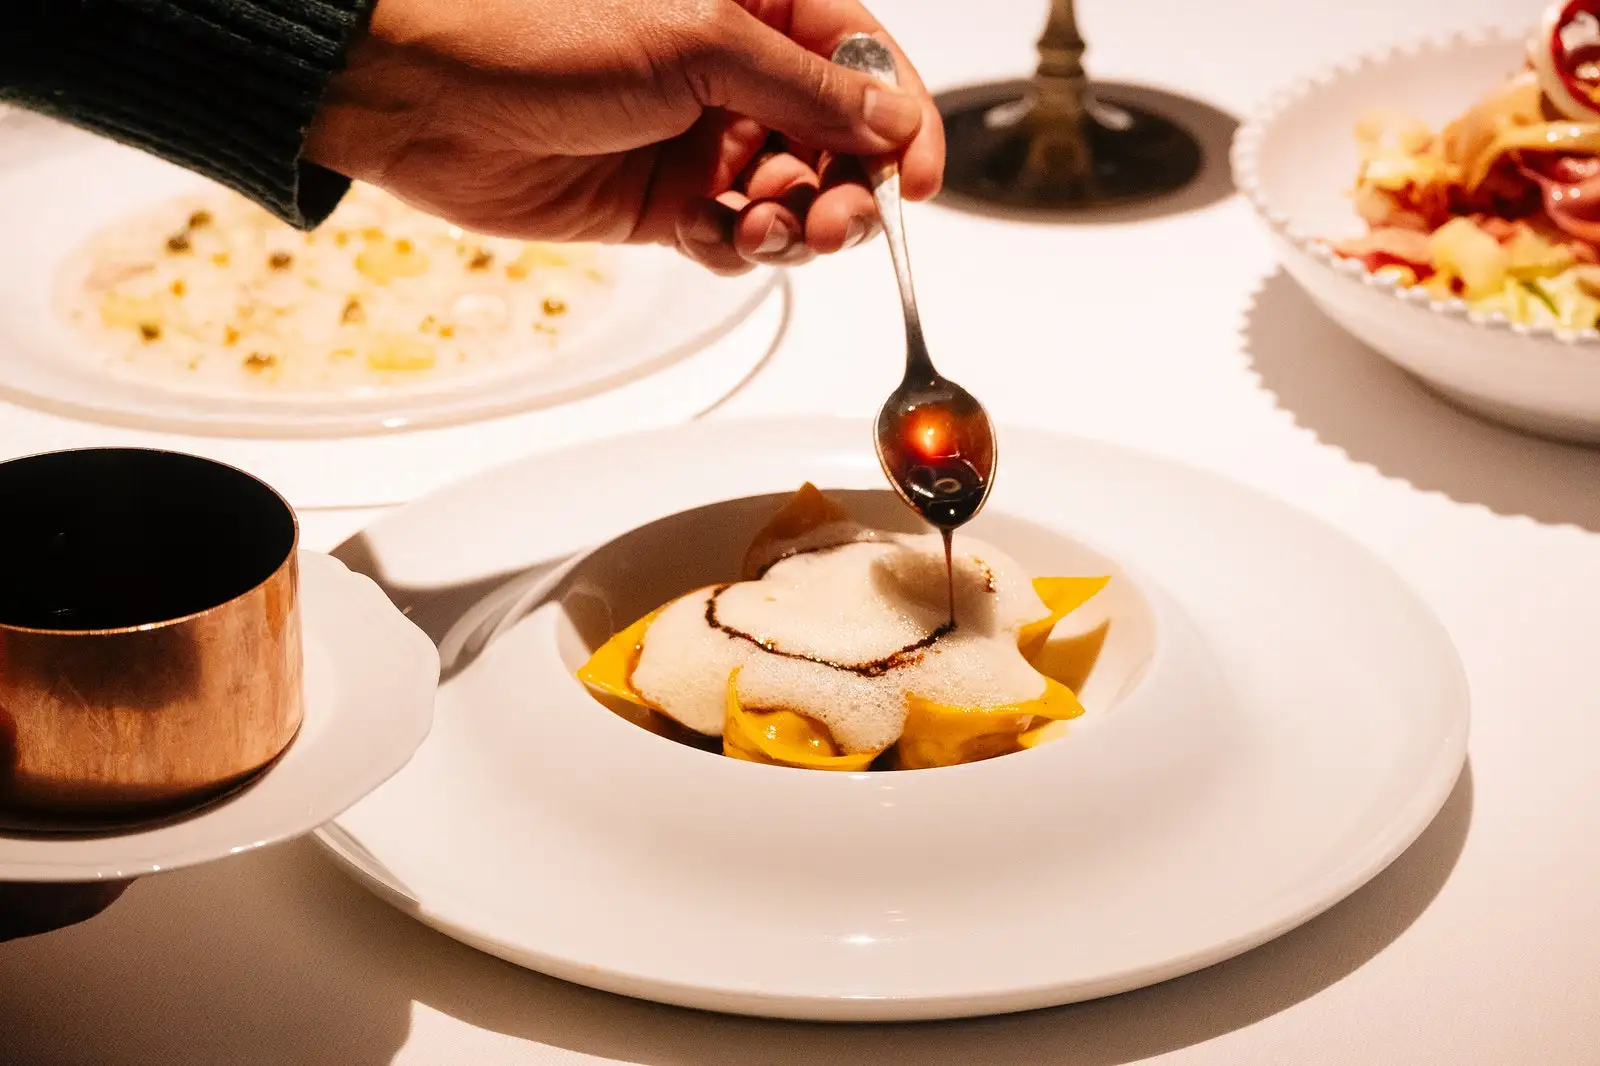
{"x": 835, "y": 649}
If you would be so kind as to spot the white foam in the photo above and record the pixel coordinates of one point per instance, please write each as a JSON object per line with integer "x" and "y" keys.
{"x": 855, "y": 603}
{"x": 826, "y": 535}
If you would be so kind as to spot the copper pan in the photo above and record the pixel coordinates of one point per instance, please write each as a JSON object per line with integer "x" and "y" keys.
{"x": 150, "y": 653}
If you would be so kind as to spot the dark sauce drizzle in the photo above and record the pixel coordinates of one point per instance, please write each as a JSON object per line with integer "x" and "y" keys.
{"x": 949, "y": 573}
{"x": 937, "y": 475}
{"x": 906, "y": 656}
{"x": 786, "y": 555}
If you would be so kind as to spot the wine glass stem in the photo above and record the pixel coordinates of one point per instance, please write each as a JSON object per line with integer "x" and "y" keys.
{"x": 1061, "y": 46}
{"x": 1058, "y": 144}
{"x": 1060, "y": 83}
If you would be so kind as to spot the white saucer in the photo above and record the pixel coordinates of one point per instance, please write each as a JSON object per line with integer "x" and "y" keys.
{"x": 369, "y": 685}
{"x": 1289, "y": 721}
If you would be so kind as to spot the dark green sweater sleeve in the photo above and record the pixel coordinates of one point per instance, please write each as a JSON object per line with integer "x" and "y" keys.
{"x": 226, "y": 88}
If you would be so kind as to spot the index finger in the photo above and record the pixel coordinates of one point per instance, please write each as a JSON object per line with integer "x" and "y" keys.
{"x": 819, "y": 26}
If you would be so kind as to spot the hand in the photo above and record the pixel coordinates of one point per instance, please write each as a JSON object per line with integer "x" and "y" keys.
{"x": 706, "y": 125}
{"x": 29, "y": 909}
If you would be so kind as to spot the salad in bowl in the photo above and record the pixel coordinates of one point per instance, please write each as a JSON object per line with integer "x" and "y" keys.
{"x": 1499, "y": 207}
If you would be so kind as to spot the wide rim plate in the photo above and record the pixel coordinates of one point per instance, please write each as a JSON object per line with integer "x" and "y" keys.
{"x": 58, "y": 186}
{"x": 383, "y": 469}
{"x": 370, "y": 677}
{"x": 1316, "y": 726}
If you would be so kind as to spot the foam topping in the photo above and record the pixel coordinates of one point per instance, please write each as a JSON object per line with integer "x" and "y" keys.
{"x": 845, "y": 634}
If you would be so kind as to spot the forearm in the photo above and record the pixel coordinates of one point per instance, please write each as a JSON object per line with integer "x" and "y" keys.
{"x": 227, "y": 88}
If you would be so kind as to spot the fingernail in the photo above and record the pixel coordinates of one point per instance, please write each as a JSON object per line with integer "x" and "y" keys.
{"x": 856, "y": 232}
{"x": 891, "y": 114}
{"x": 779, "y": 236}
{"x": 704, "y": 229}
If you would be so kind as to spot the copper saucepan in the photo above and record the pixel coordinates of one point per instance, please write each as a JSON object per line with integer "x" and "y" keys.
{"x": 150, "y": 655}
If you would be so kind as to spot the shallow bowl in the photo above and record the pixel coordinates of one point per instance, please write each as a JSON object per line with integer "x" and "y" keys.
{"x": 1295, "y": 161}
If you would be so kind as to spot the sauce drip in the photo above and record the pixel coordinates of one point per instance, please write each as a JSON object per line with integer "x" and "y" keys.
{"x": 948, "y": 536}
{"x": 938, "y": 458}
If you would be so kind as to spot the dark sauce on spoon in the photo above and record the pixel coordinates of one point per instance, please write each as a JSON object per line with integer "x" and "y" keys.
{"x": 942, "y": 457}
{"x": 947, "y": 495}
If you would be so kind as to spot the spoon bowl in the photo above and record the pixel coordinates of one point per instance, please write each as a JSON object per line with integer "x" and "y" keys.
{"x": 937, "y": 448}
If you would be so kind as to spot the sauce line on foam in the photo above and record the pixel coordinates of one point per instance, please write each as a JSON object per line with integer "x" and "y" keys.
{"x": 906, "y": 656}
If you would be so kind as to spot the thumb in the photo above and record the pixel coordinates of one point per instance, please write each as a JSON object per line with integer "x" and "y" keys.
{"x": 751, "y": 69}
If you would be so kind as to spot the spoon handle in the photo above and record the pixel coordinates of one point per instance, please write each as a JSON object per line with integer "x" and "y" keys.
{"x": 868, "y": 55}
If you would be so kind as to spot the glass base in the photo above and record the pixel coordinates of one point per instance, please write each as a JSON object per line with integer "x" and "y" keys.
{"x": 1000, "y": 152}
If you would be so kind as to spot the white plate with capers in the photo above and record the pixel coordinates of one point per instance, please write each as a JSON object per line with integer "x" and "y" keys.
{"x": 137, "y": 294}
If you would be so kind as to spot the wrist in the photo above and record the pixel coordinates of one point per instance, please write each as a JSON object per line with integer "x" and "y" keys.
{"x": 373, "y": 106}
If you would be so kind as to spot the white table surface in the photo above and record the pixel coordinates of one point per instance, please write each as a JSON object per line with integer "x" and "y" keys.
{"x": 1479, "y": 946}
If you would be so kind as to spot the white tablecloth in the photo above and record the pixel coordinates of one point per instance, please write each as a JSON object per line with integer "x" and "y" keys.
{"x": 1174, "y": 334}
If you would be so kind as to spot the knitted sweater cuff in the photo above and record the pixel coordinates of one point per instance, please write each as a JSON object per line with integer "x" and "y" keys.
{"x": 226, "y": 88}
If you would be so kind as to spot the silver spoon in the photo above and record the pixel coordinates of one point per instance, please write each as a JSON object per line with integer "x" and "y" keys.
{"x": 934, "y": 439}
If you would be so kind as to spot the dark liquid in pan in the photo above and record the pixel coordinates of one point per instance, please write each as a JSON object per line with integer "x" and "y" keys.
{"x": 115, "y": 538}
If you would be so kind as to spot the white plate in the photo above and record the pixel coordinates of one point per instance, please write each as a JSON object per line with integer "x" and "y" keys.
{"x": 1296, "y": 159}
{"x": 395, "y": 467}
{"x": 661, "y": 308}
{"x": 369, "y": 685}
{"x": 1285, "y": 721}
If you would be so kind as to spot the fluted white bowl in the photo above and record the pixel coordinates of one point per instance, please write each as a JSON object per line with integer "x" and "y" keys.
{"x": 1295, "y": 161}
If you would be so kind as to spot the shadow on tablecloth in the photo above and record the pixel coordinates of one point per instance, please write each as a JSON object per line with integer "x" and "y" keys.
{"x": 1108, "y": 1032}
{"x": 1356, "y": 400}
{"x": 267, "y": 958}
{"x": 277, "y": 957}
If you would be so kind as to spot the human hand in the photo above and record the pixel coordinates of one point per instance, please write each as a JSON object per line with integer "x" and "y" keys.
{"x": 30, "y": 909}
{"x": 706, "y": 125}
